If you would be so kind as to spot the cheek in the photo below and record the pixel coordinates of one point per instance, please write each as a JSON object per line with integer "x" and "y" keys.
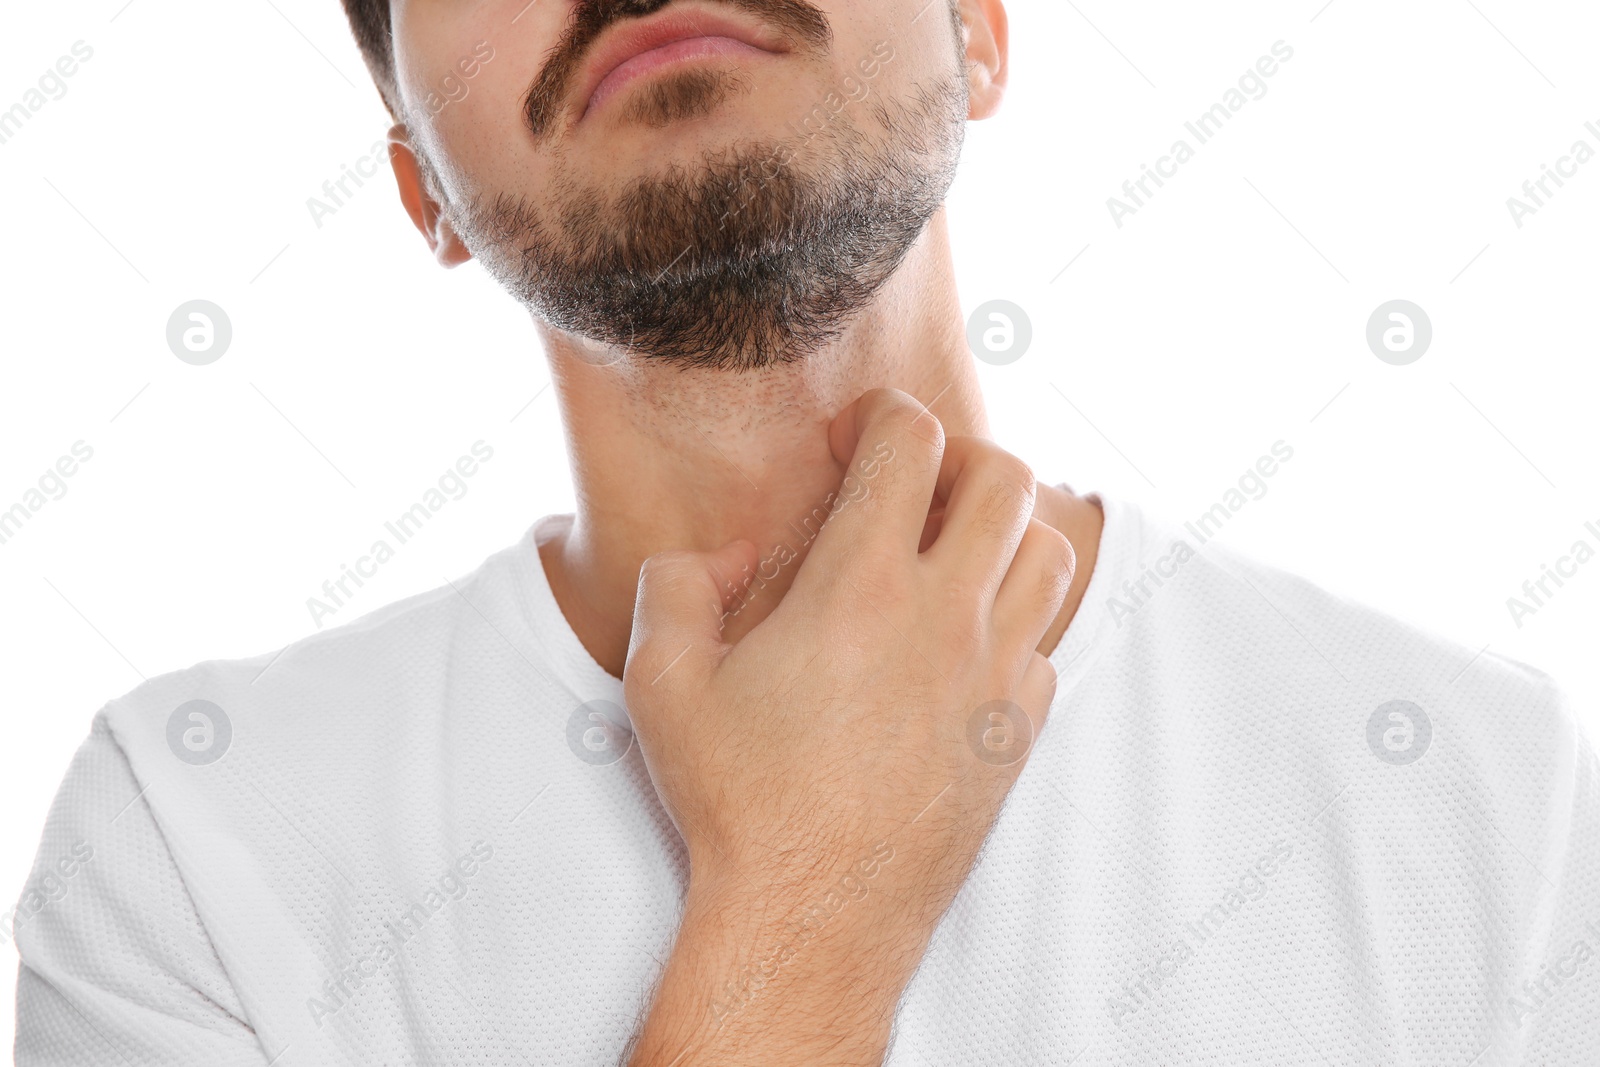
{"x": 490, "y": 105}
{"x": 482, "y": 149}
{"x": 448, "y": 48}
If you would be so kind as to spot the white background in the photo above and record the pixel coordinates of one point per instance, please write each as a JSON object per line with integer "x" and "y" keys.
{"x": 1227, "y": 314}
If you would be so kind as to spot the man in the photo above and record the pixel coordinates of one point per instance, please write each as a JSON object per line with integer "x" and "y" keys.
{"x": 701, "y": 774}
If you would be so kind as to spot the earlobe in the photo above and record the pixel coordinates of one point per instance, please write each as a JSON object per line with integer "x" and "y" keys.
{"x": 988, "y": 45}
{"x": 450, "y": 251}
{"x": 426, "y": 213}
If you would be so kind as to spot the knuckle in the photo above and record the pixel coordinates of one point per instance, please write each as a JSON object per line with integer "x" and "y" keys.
{"x": 1067, "y": 555}
{"x": 1015, "y": 476}
{"x": 1062, "y": 556}
{"x": 1059, "y": 561}
{"x": 891, "y": 412}
{"x": 990, "y": 463}
{"x": 1007, "y": 491}
{"x": 998, "y": 508}
{"x": 664, "y": 566}
{"x": 887, "y": 402}
{"x": 666, "y": 583}
{"x": 655, "y": 671}
{"x": 1063, "y": 559}
{"x": 1053, "y": 587}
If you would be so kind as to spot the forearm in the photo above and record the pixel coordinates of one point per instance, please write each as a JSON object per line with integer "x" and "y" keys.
{"x": 801, "y": 977}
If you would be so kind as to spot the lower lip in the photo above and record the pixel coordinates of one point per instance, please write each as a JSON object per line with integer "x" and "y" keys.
{"x": 647, "y": 62}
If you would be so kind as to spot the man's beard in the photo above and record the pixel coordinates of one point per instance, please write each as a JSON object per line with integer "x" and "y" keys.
{"x": 760, "y": 254}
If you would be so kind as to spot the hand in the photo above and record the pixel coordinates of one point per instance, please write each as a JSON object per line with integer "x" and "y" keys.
{"x": 823, "y": 771}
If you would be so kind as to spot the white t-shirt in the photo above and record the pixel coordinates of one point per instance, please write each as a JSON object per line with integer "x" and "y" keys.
{"x": 1263, "y": 826}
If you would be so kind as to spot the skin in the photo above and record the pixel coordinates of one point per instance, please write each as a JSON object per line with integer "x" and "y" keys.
{"x": 820, "y": 770}
{"x": 936, "y": 592}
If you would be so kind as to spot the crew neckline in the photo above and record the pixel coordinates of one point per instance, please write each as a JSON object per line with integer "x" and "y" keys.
{"x": 575, "y": 667}
{"x": 580, "y": 672}
{"x": 1083, "y": 640}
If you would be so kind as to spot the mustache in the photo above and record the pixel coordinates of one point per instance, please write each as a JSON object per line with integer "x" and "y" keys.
{"x": 798, "y": 19}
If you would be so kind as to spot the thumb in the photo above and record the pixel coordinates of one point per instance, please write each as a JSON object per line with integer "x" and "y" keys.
{"x": 677, "y": 615}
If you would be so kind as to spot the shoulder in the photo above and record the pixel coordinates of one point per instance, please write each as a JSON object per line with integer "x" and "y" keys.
{"x": 1268, "y": 634}
{"x": 384, "y": 645}
{"x": 373, "y": 667}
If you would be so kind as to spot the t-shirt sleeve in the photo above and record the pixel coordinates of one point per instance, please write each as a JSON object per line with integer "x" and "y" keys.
{"x": 1555, "y": 1011}
{"x": 117, "y": 967}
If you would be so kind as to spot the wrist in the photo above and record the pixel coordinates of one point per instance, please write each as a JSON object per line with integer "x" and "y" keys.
{"x": 800, "y": 972}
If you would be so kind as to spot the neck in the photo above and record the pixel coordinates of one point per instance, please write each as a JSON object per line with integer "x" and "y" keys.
{"x": 668, "y": 458}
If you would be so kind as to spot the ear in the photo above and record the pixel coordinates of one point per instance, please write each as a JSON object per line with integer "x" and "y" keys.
{"x": 988, "y": 47}
{"x": 426, "y": 214}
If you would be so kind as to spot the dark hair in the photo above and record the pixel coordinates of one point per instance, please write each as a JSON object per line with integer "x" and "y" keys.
{"x": 369, "y": 21}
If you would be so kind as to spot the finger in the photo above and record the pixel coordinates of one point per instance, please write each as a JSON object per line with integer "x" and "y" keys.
{"x": 891, "y": 447}
{"x": 1002, "y": 733}
{"x": 989, "y": 496}
{"x": 1035, "y": 586}
{"x": 930, "y": 531}
{"x": 1037, "y": 691}
{"x": 678, "y": 611}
